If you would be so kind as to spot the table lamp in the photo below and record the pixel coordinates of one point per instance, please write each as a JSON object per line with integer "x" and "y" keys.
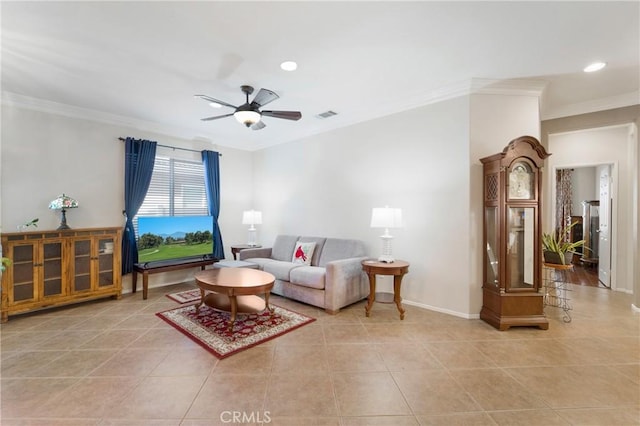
{"x": 251, "y": 218}
{"x": 63, "y": 202}
{"x": 386, "y": 217}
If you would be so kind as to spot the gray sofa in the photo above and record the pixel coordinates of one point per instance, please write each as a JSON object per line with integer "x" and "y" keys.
{"x": 334, "y": 278}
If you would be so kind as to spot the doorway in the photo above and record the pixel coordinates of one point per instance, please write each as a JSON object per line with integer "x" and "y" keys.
{"x": 583, "y": 197}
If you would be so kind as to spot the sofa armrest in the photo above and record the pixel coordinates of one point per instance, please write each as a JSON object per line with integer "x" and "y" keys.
{"x": 254, "y": 252}
{"x": 345, "y": 283}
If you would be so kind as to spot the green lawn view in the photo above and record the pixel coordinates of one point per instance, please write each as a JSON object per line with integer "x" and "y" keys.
{"x": 173, "y": 251}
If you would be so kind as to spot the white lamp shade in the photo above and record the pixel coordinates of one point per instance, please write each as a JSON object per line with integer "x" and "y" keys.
{"x": 247, "y": 117}
{"x": 386, "y": 217}
{"x": 252, "y": 217}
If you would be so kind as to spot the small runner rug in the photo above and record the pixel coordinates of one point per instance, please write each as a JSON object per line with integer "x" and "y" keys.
{"x": 210, "y": 327}
{"x": 186, "y": 296}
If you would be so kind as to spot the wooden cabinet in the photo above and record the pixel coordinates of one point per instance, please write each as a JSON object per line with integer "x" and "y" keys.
{"x": 512, "y": 233}
{"x": 51, "y": 268}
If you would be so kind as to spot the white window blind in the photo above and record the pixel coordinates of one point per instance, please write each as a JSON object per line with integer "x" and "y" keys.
{"x": 176, "y": 189}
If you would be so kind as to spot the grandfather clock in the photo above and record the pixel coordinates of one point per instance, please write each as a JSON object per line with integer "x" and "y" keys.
{"x": 512, "y": 251}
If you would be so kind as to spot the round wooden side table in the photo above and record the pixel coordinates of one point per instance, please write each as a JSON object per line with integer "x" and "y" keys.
{"x": 398, "y": 269}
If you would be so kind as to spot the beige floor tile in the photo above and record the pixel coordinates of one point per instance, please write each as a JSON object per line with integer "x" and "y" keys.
{"x": 380, "y": 421}
{"x": 91, "y": 397}
{"x": 158, "y": 398}
{"x": 368, "y": 394}
{"x": 75, "y": 363}
{"x": 494, "y": 389}
{"x": 307, "y": 421}
{"x": 222, "y": 396}
{"x": 258, "y": 359}
{"x": 26, "y": 398}
{"x": 623, "y": 416}
{"x": 407, "y": 357}
{"x": 528, "y": 418}
{"x": 310, "y": 334}
{"x": 351, "y": 357}
{"x": 302, "y": 358}
{"x": 457, "y": 354}
{"x": 290, "y": 393}
{"x": 434, "y": 392}
{"x": 130, "y": 362}
{"x": 25, "y": 364}
{"x": 186, "y": 362}
{"x": 345, "y": 333}
{"x": 457, "y": 419}
{"x": 120, "y": 364}
{"x": 579, "y": 386}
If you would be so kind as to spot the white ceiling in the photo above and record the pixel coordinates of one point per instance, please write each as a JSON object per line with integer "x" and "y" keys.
{"x": 140, "y": 63}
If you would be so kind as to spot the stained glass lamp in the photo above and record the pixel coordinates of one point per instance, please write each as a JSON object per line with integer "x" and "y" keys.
{"x": 62, "y": 203}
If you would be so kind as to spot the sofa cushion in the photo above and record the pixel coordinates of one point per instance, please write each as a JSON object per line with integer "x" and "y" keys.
{"x": 283, "y": 247}
{"x": 319, "y": 245}
{"x": 260, "y": 261}
{"x": 309, "y": 276}
{"x": 337, "y": 248}
{"x": 280, "y": 269}
{"x": 303, "y": 252}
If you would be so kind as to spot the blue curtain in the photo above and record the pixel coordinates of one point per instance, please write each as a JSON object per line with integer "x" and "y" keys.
{"x": 211, "y": 162}
{"x": 139, "y": 158}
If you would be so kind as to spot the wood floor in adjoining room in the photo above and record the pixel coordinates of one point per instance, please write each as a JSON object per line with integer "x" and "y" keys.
{"x": 114, "y": 362}
{"x": 584, "y": 275}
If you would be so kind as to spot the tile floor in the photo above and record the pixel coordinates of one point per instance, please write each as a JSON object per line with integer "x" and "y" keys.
{"x": 115, "y": 363}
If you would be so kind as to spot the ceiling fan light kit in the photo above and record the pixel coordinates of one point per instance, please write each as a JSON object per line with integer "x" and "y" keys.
{"x": 249, "y": 113}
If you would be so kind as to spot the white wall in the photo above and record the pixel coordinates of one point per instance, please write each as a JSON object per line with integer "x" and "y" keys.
{"x": 417, "y": 160}
{"x": 495, "y": 121}
{"x": 43, "y": 155}
{"x": 606, "y": 145}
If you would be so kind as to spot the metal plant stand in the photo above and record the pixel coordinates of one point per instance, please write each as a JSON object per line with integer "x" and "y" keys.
{"x": 555, "y": 287}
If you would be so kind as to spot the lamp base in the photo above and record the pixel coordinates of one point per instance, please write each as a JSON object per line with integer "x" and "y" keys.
{"x": 252, "y": 240}
{"x": 385, "y": 258}
{"x": 63, "y": 221}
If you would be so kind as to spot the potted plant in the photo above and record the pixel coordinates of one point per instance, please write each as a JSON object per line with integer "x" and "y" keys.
{"x": 557, "y": 246}
{"x": 4, "y": 262}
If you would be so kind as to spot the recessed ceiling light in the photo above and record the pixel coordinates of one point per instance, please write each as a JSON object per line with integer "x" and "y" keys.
{"x": 596, "y": 66}
{"x": 289, "y": 66}
{"x": 215, "y": 105}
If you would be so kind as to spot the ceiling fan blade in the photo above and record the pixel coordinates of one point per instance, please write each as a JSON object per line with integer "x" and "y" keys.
{"x": 263, "y": 97}
{"x": 210, "y": 99}
{"x": 216, "y": 117}
{"x": 259, "y": 125}
{"x": 287, "y": 115}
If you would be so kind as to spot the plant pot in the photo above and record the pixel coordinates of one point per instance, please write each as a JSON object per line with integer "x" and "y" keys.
{"x": 553, "y": 257}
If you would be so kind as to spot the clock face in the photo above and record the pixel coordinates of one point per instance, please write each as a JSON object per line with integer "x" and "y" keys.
{"x": 520, "y": 182}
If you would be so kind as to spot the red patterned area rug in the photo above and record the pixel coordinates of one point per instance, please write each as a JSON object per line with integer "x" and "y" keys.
{"x": 210, "y": 327}
{"x": 186, "y": 296}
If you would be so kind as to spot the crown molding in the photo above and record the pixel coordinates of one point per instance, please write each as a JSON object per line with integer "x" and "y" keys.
{"x": 486, "y": 86}
{"x": 595, "y": 105}
{"x": 71, "y": 111}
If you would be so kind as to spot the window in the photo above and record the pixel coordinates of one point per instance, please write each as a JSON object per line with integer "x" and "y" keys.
{"x": 176, "y": 189}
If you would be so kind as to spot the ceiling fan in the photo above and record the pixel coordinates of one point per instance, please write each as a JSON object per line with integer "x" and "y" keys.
{"x": 249, "y": 113}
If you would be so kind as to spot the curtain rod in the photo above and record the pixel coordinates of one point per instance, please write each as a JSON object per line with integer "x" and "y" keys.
{"x": 173, "y": 147}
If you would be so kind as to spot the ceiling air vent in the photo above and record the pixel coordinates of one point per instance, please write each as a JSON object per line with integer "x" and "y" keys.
{"x": 326, "y": 114}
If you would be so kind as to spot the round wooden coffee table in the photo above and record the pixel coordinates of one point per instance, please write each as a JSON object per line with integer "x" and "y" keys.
{"x": 234, "y": 290}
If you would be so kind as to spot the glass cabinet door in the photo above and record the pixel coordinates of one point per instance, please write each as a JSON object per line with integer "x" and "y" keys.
{"x": 23, "y": 268}
{"x": 520, "y": 248}
{"x": 82, "y": 265}
{"x": 105, "y": 261}
{"x": 52, "y": 269}
{"x": 491, "y": 228}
